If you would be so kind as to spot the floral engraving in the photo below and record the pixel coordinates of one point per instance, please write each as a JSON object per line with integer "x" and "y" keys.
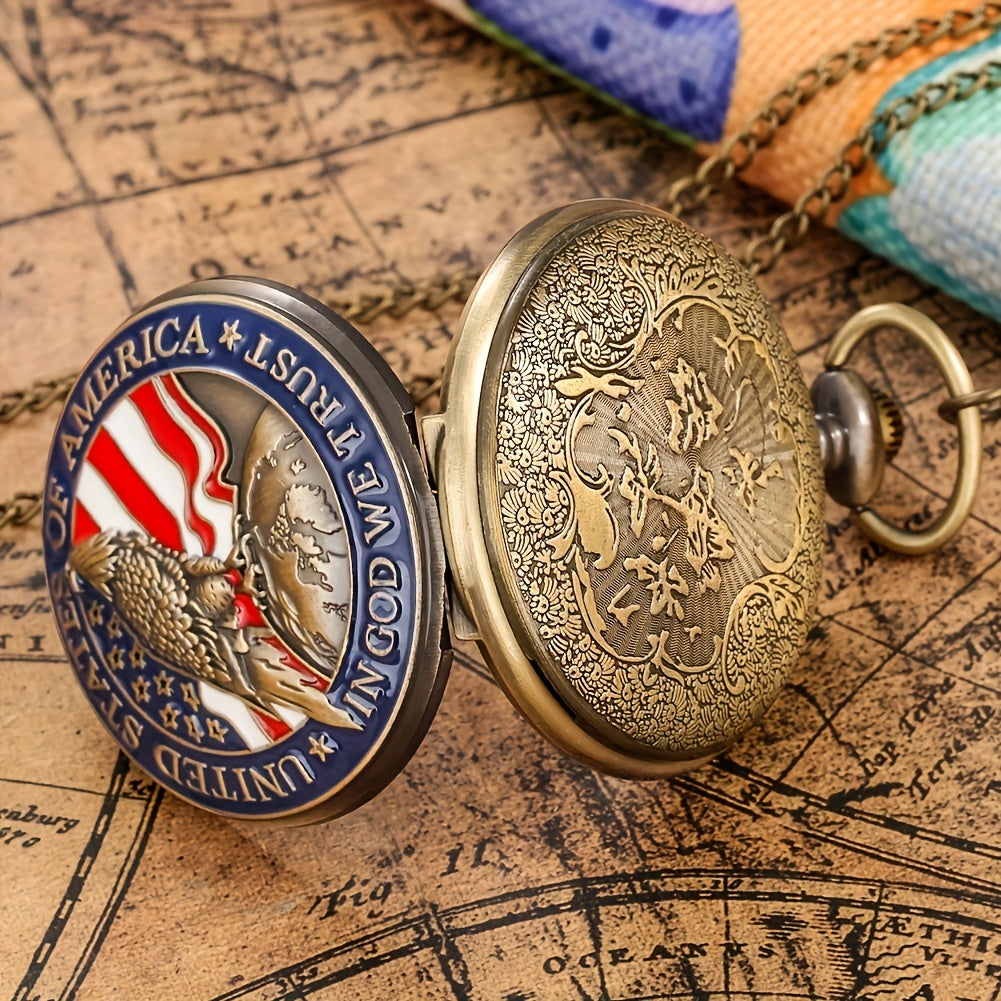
{"x": 659, "y": 489}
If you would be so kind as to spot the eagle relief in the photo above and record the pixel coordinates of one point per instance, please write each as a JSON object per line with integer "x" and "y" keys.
{"x": 241, "y": 553}
{"x": 168, "y": 543}
{"x": 649, "y": 462}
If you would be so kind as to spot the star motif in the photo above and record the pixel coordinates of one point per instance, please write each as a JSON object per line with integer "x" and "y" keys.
{"x": 217, "y": 731}
{"x": 116, "y": 658}
{"x": 168, "y": 715}
{"x": 141, "y": 689}
{"x": 114, "y": 626}
{"x": 188, "y": 694}
{"x": 137, "y": 658}
{"x": 320, "y": 746}
{"x": 230, "y": 335}
{"x": 95, "y": 613}
{"x": 194, "y": 728}
{"x": 164, "y": 684}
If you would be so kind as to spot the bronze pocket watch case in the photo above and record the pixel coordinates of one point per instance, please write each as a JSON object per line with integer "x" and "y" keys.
{"x": 251, "y": 542}
{"x": 630, "y": 487}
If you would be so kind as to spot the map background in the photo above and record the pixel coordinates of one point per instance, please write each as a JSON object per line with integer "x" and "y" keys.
{"x": 847, "y": 848}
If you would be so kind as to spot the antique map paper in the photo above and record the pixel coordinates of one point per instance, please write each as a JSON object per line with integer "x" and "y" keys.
{"x": 850, "y": 847}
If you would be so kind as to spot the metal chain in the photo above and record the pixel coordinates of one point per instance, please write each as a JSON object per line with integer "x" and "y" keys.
{"x": 428, "y": 295}
{"x": 36, "y": 397}
{"x": 716, "y": 171}
{"x": 20, "y": 509}
{"x": 42, "y": 393}
{"x": 874, "y": 136}
{"x": 760, "y": 252}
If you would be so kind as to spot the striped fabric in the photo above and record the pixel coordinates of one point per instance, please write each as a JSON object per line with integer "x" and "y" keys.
{"x": 702, "y": 68}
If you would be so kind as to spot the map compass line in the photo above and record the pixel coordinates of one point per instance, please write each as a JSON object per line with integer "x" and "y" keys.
{"x": 75, "y": 889}
{"x": 867, "y": 678}
{"x": 528, "y": 915}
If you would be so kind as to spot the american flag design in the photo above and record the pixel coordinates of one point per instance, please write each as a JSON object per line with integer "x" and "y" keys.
{"x": 156, "y": 466}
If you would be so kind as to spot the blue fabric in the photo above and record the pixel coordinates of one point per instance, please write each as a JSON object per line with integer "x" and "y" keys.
{"x": 674, "y": 65}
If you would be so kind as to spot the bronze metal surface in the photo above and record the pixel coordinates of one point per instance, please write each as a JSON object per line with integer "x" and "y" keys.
{"x": 959, "y": 383}
{"x": 648, "y": 478}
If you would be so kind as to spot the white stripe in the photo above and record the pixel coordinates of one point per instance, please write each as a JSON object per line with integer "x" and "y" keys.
{"x": 219, "y": 514}
{"x": 292, "y": 717}
{"x": 130, "y": 433}
{"x": 102, "y": 502}
{"x": 236, "y": 712}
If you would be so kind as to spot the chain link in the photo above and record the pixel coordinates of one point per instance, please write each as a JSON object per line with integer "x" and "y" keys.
{"x": 875, "y": 135}
{"x": 760, "y": 252}
{"x": 40, "y": 394}
{"x": 20, "y": 509}
{"x": 716, "y": 171}
{"x": 427, "y": 295}
{"x": 24, "y": 505}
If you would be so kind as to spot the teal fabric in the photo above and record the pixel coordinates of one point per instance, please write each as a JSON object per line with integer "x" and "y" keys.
{"x": 942, "y": 218}
{"x": 676, "y": 62}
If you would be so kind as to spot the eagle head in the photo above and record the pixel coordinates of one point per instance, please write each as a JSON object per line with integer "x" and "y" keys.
{"x": 215, "y": 593}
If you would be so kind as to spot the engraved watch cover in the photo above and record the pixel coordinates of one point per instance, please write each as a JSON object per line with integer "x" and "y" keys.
{"x": 642, "y": 554}
{"x": 244, "y": 554}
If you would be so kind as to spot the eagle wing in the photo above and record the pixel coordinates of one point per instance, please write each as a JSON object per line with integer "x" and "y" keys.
{"x": 152, "y": 593}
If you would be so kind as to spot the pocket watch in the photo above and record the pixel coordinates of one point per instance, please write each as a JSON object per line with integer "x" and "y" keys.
{"x": 251, "y": 543}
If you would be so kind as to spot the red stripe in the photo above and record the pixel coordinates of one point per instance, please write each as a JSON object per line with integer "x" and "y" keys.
{"x": 310, "y": 678}
{"x": 274, "y": 728}
{"x": 133, "y": 491}
{"x": 84, "y": 525}
{"x": 247, "y": 613}
{"x": 214, "y": 485}
{"x": 179, "y": 447}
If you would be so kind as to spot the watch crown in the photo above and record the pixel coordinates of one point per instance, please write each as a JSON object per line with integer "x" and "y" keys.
{"x": 891, "y": 422}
